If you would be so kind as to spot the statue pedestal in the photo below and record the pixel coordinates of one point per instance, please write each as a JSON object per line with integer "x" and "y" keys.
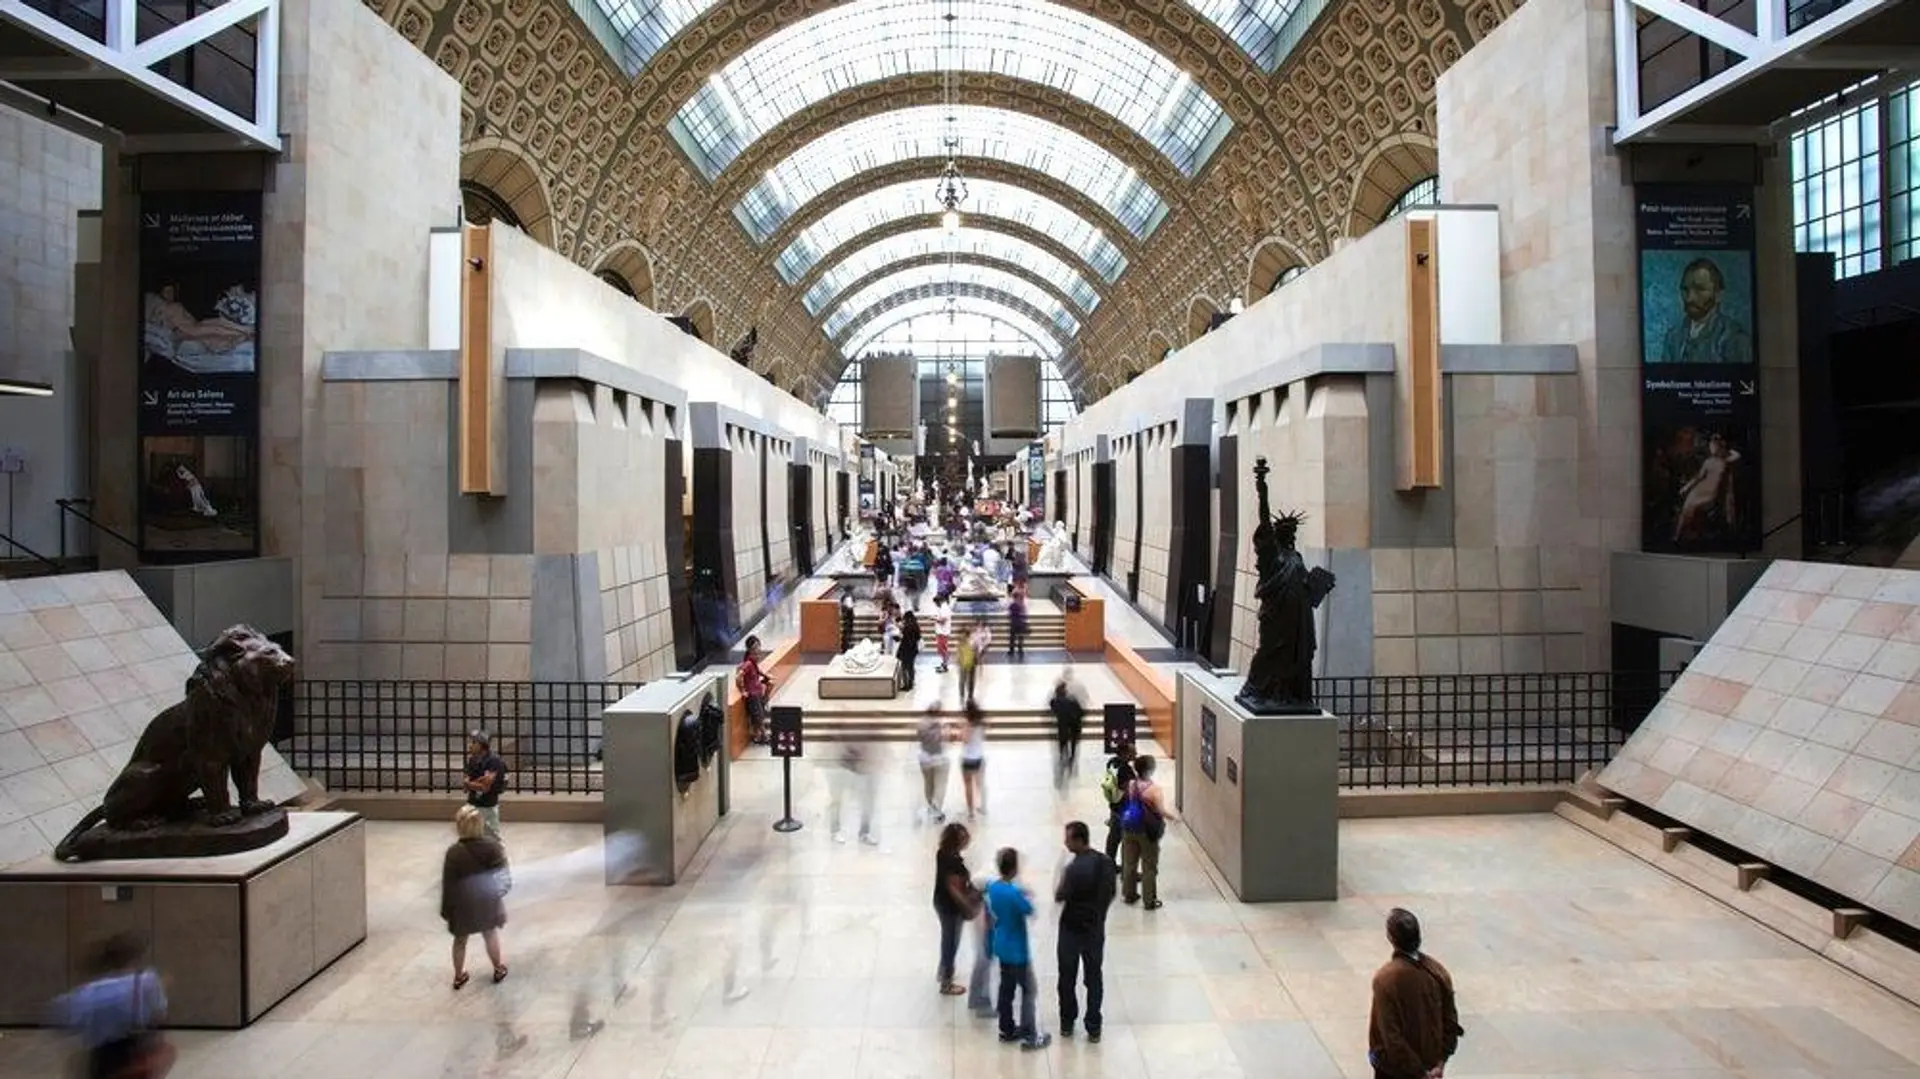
{"x": 1260, "y": 793}
{"x": 235, "y": 933}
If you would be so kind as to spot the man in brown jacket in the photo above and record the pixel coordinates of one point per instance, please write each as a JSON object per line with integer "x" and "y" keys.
{"x": 1414, "y": 1027}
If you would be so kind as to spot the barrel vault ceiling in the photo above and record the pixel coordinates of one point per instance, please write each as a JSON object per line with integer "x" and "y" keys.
{"x": 796, "y": 213}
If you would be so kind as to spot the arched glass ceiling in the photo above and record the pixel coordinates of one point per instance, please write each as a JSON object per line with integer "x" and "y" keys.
{"x": 935, "y": 307}
{"x": 988, "y": 197}
{"x": 964, "y": 241}
{"x": 907, "y": 134}
{"x": 868, "y": 40}
{"x": 960, "y": 273}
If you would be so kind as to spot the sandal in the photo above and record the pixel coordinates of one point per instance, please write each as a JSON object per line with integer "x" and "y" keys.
{"x": 459, "y": 980}
{"x": 499, "y": 975}
{"x": 952, "y": 989}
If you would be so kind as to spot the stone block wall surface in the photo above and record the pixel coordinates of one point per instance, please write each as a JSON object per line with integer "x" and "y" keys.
{"x": 1795, "y": 733}
{"x": 86, "y": 661}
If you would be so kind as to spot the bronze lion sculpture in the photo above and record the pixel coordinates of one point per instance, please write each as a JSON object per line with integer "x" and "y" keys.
{"x": 216, "y": 733}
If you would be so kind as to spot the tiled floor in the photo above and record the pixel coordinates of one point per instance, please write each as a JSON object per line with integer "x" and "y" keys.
{"x": 1572, "y": 959}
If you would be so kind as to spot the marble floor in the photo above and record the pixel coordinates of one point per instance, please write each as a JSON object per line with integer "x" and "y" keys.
{"x": 793, "y": 957}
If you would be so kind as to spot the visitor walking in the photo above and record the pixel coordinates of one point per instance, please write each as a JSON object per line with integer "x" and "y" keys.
{"x": 118, "y": 1012}
{"x": 973, "y": 759}
{"x": 955, "y": 900}
{"x": 474, "y": 881}
{"x": 756, "y": 687}
{"x": 486, "y": 778}
{"x": 942, "y": 630}
{"x": 908, "y": 652}
{"x": 1413, "y": 1026}
{"x": 1119, "y": 776}
{"x": 933, "y": 761}
{"x": 1017, "y": 622}
{"x": 1143, "y": 821}
{"x": 1085, "y": 893}
{"x": 1069, "y": 717}
{"x": 1011, "y": 906}
{"x": 856, "y": 778}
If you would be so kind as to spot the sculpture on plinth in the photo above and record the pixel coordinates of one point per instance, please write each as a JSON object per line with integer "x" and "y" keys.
{"x": 1280, "y": 675}
{"x": 217, "y": 733}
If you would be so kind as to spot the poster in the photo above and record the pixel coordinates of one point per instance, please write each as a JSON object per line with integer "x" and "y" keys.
{"x": 1037, "y": 476}
{"x": 199, "y": 386}
{"x": 1700, "y": 402}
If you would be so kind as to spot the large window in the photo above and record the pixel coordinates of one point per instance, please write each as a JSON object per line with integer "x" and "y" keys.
{"x": 1855, "y": 176}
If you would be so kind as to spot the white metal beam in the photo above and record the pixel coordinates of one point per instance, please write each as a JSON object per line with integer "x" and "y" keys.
{"x": 128, "y": 59}
{"x": 1770, "y": 49}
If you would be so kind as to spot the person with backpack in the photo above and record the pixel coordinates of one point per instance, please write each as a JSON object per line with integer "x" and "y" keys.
{"x": 1143, "y": 821}
{"x": 1413, "y": 1026}
{"x": 1113, "y": 786}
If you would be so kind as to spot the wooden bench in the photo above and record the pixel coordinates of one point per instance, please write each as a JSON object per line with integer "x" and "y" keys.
{"x": 1150, "y": 686}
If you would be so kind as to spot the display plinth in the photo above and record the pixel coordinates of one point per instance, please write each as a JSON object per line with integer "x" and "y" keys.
{"x": 1260, "y": 793}
{"x": 839, "y": 683}
{"x": 234, "y": 933}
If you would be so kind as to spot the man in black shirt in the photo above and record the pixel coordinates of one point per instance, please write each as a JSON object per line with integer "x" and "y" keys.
{"x": 1086, "y": 889}
{"x": 486, "y": 778}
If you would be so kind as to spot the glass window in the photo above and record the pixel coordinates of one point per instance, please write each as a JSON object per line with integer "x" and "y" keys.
{"x": 984, "y": 243}
{"x": 1424, "y": 192}
{"x": 640, "y": 27}
{"x": 990, "y": 198}
{"x": 866, "y": 41}
{"x": 920, "y": 132}
{"x": 971, "y": 319}
{"x": 961, "y": 273}
{"x": 1836, "y": 189}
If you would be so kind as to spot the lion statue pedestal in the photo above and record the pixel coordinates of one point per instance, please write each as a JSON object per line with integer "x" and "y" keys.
{"x": 214, "y": 735}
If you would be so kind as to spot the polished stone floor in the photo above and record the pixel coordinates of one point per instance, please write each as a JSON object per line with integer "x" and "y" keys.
{"x": 794, "y": 957}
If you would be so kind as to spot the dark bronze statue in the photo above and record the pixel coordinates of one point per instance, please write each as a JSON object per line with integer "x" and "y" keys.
{"x": 217, "y": 733}
{"x": 1280, "y": 676}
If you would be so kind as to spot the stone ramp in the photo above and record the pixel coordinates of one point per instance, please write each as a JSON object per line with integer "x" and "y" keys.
{"x": 85, "y": 661}
{"x": 1795, "y": 733}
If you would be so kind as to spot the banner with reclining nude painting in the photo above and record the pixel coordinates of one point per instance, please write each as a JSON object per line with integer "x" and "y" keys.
{"x": 1700, "y": 377}
{"x": 199, "y": 425}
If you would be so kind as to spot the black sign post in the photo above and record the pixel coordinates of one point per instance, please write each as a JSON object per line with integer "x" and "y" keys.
{"x": 1700, "y": 384}
{"x": 1119, "y": 720}
{"x": 199, "y": 385}
{"x": 787, "y": 745}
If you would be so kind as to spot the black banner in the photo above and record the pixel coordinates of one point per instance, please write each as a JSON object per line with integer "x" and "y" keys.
{"x": 1700, "y": 379}
{"x": 200, "y": 268}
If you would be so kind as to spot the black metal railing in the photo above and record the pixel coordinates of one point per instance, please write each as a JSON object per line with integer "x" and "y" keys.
{"x": 1473, "y": 730}
{"x": 411, "y": 736}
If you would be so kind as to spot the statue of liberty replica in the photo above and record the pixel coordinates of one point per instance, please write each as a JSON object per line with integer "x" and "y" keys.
{"x": 1280, "y": 675}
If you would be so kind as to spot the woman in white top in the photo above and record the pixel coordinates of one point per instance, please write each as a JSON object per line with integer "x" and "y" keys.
{"x": 973, "y": 759}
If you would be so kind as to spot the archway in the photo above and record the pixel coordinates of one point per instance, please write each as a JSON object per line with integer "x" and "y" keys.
{"x": 497, "y": 181}
{"x": 1395, "y": 166}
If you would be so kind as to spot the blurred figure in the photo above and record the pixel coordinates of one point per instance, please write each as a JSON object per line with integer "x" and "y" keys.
{"x": 117, "y": 1012}
{"x": 856, "y": 776}
{"x": 1069, "y": 718}
{"x": 955, "y": 900}
{"x": 973, "y": 759}
{"x": 474, "y": 881}
{"x": 933, "y": 761}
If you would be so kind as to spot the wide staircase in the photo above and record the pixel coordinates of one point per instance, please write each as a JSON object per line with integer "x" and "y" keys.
{"x": 1046, "y": 625}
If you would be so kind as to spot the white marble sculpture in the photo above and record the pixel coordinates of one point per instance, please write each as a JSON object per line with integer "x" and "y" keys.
{"x": 862, "y": 658}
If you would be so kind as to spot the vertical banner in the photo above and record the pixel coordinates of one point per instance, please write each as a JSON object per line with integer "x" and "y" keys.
{"x": 869, "y": 491}
{"x": 199, "y": 416}
{"x": 1037, "y": 476}
{"x": 1700, "y": 381}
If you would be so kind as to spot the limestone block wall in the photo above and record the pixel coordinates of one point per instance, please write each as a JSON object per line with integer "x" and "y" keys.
{"x": 1156, "y": 499}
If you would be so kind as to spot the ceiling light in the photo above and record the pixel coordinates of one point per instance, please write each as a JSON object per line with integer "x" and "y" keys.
{"x": 23, "y": 388}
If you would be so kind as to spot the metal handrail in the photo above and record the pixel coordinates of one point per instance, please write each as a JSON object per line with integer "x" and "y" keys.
{"x": 69, "y": 505}
{"x": 30, "y": 552}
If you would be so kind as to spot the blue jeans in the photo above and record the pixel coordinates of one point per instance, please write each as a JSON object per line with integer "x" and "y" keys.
{"x": 1017, "y": 976}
